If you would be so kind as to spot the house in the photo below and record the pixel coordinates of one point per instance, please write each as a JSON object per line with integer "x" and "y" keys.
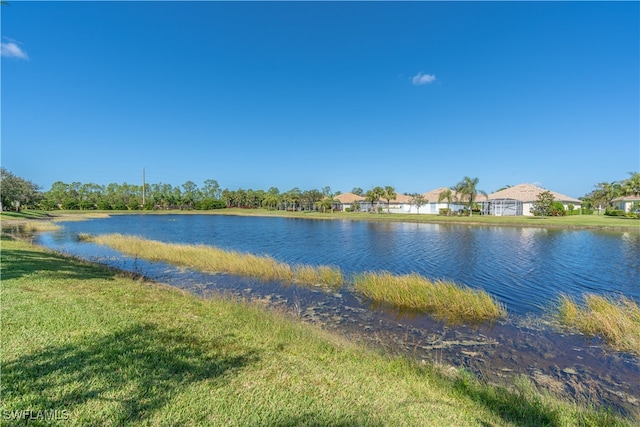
{"x": 519, "y": 199}
{"x": 625, "y": 203}
{"x": 458, "y": 201}
{"x": 346, "y": 201}
{"x": 401, "y": 204}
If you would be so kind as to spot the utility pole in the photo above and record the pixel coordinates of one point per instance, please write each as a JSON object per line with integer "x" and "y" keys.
{"x": 143, "y": 185}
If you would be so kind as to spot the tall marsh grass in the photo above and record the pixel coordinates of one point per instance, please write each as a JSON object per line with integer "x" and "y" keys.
{"x": 616, "y": 320}
{"x": 442, "y": 299}
{"x": 35, "y": 226}
{"x": 215, "y": 260}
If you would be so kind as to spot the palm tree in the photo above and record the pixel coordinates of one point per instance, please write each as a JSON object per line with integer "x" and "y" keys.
{"x": 389, "y": 194}
{"x": 448, "y": 195}
{"x": 631, "y": 185}
{"x": 374, "y": 195}
{"x": 605, "y": 192}
{"x": 467, "y": 188}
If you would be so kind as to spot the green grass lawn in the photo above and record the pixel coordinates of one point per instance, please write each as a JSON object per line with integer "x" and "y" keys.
{"x": 103, "y": 348}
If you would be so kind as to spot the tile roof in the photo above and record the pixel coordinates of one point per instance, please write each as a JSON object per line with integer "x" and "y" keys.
{"x": 632, "y": 198}
{"x": 433, "y": 195}
{"x": 528, "y": 193}
{"x": 348, "y": 198}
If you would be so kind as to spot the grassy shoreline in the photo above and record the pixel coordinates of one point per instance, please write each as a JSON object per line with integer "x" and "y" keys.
{"x": 110, "y": 350}
{"x": 214, "y": 260}
{"x": 444, "y": 300}
{"x": 616, "y": 320}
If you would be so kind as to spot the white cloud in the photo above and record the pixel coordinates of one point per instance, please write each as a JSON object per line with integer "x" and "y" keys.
{"x": 423, "y": 79}
{"x": 10, "y": 49}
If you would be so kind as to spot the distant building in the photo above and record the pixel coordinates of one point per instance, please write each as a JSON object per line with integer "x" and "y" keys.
{"x": 624, "y": 203}
{"x": 346, "y": 201}
{"x": 512, "y": 201}
{"x": 519, "y": 199}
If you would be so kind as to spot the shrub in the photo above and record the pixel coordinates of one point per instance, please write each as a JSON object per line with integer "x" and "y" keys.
{"x": 70, "y": 204}
{"x": 103, "y": 205}
{"x": 587, "y": 211}
{"x": 48, "y": 205}
{"x": 87, "y": 204}
{"x": 444, "y": 211}
{"x": 557, "y": 209}
{"x": 208, "y": 204}
{"x": 614, "y": 212}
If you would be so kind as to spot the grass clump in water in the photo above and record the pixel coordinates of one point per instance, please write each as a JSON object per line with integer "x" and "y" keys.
{"x": 215, "y": 260}
{"x": 442, "y": 299}
{"x": 35, "y": 226}
{"x": 616, "y": 320}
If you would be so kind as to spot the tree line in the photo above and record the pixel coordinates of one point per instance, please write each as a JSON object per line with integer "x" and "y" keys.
{"x": 17, "y": 193}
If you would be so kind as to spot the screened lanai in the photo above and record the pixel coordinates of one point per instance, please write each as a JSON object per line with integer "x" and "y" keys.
{"x": 505, "y": 207}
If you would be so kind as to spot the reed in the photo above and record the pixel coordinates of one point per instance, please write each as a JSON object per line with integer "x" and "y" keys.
{"x": 35, "y": 226}
{"x": 326, "y": 275}
{"x": 442, "y": 299}
{"x": 79, "y": 216}
{"x": 215, "y": 260}
{"x": 616, "y": 320}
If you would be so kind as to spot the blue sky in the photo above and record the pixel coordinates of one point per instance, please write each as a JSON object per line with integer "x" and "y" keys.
{"x": 342, "y": 94}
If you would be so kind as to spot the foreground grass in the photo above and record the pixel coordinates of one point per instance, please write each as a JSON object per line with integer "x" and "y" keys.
{"x": 444, "y": 300}
{"x": 616, "y": 320}
{"x": 210, "y": 259}
{"x": 104, "y": 349}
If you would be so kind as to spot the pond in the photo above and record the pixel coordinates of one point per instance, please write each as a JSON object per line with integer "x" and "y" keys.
{"x": 526, "y": 268}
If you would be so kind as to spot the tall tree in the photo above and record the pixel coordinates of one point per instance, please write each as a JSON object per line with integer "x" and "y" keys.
{"x": 631, "y": 185}
{"x": 605, "y": 192}
{"x": 374, "y": 195}
{"x": 190, "y": 194}
{"x": 446, "y": 194}
{"x": 418, "y": 200}
{"x": 468, "y": 189}
{"x": 357, "y": 191}
{"x": 211, "y": 189}
{"x": 389, "y": 195}
{"x": 90, "y": 194}
{"x": 310, "y": 198}
{"x": 270, "y": 201}
{"x": 292, "y": 199}
{"x": 543, "y": 204}
{"x": 17, "y": 192}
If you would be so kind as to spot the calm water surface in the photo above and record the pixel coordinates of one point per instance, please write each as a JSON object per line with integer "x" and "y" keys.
{"x": 525, "y": 268}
